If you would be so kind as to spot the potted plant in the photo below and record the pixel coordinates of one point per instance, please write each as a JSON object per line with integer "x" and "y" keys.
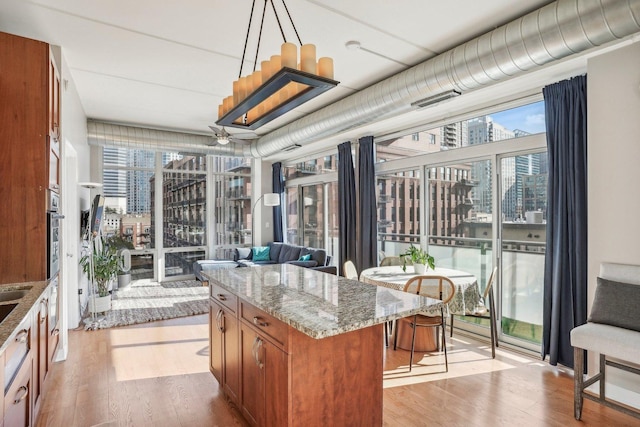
{"x": 106, "y": 264}
{"x": 123, "y": 249}
{"x": 419, "y": 258}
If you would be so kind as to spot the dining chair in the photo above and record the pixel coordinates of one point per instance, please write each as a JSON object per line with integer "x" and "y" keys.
{"x": 349, "y": 270}
{"x": 390, "y": 260}
{"x": 484, "y": 312}
{"x": 438, "y": 287}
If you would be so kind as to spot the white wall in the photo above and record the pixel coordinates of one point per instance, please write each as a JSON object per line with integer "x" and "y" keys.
{"x": 74, "y": 151}
{"x": 613, "y": 85}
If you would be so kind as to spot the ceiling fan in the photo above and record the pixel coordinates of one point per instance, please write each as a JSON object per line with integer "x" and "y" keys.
{"x": 223, "y": 137}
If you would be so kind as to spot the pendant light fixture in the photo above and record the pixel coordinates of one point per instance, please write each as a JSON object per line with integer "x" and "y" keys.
{"x": 280, "y": 85}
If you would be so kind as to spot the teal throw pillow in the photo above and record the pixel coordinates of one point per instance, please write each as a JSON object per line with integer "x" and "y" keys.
{"x": 260, "y": 253}
{"x": 306, "y": 257}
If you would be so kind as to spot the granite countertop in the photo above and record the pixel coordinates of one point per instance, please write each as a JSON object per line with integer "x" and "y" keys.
{"x": 315, "y": 303}
{"x": 25, "y": 304}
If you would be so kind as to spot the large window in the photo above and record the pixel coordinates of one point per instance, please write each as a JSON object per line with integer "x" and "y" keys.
{"x": 501, "y": 125}
{"x": 398, "y": 211}
{"x": 184, "y": 205}
{"x": 476, "y": 194}
{"x": 189, "y": 209}
{"x": 312, "y": 213}
{"x": 128, "y": 177}
{"x": 231, "y": 206}
{"x": 322, "y": 165}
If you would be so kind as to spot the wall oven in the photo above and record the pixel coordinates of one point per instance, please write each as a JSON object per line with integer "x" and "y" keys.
{"x": 53, "y": 235}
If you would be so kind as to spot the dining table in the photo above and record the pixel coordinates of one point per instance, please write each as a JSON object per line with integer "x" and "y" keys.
{"x": 466, "y": 298}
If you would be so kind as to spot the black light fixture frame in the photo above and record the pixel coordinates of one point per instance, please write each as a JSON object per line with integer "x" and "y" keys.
{"x": 237, "y": 117}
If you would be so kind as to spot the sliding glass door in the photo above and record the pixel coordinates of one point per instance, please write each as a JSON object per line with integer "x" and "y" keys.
{"x": 523, "y": 203}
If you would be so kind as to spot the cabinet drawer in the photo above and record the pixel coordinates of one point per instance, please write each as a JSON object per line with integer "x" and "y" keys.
{"x": 17, "y": 399}
{"x": 17, "y": 351}
{"x": 224, "y": 297}
{"x": 265, "y": 323}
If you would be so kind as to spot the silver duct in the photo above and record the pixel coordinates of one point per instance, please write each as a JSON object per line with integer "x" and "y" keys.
{"x": 548, "y": 34}
{"x": 120, "y": 136}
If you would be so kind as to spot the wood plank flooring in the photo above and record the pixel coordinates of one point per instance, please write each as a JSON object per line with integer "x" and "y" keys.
{"x": 156, "y": 374}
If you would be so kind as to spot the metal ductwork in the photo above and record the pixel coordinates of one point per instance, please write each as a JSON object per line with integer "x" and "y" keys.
{"x": 553, "y": 32}
{"x": 121, "y": 136}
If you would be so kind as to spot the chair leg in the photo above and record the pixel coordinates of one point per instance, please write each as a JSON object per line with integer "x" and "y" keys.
{"x": 494, "y": 338}
{"x": 395, "y": 338}
{"x": 492, "y": 315}
{"x": 444, "y": 344}
{"x": 386, "y": 334}
{"x": 451, "y": 327}
{"x": 578, "y": 380}
{"x": 603, "y": 370}
{"x": 413, "y": 340}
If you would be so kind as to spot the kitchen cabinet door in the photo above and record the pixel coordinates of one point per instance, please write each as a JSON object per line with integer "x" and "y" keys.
{"x": 224, "y": 360}
{"x": 264, "y": 380}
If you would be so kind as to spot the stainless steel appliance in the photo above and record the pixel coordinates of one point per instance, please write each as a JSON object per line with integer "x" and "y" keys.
{"x": 53, "y": 235}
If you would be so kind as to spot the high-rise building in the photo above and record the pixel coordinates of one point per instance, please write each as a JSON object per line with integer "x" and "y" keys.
{"x": 138, "y": 183}
{"x": 482, "y": 130}
{"x": 114, "y": 179}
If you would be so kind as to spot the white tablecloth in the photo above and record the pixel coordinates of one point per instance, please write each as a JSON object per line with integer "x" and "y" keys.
{"x": 465, "y": 299}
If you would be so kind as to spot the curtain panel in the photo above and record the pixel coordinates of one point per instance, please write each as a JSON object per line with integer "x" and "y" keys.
{"x": 277, "y": 183}
{"x": 346, "y": 206}
{"x": 368, "y": 241}
{"x": 565, "y": 275}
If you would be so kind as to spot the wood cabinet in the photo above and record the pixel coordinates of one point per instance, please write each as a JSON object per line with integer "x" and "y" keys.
{"x": 26, "y": 361}
{"x": 17, "y": 402}
{"x": 264, "y": 379}
{"x": 18, "y": 384}
{"x": 41, "y": 348}
{"x": 27, "y": 169}
{"x": 290, "y": 379}
{"x": 53, "y": 135}
{"x": 223, "y": 357}
{"x": 53, "y": 319}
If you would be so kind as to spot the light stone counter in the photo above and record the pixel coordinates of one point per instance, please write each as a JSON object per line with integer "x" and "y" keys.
{"x": 25, "y": 304}
{"x": 315, "y": 303}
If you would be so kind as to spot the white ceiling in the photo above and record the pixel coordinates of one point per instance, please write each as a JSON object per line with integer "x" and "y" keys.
{"x": 168, "y": 64}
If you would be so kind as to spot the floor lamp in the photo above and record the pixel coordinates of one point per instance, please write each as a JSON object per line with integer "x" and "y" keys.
{"x": 94, "y": 321}
{"x": 269, "y": 199}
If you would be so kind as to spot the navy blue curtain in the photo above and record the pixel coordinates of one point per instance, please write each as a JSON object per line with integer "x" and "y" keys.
{"x": 565, "y": 274}
{"x": 346, "y": 206}
{"x": 368, "y": 241}
{"x": 277, "y": 182}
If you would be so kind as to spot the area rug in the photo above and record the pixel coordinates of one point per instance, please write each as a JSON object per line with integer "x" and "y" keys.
{"x": 147, "y": 301}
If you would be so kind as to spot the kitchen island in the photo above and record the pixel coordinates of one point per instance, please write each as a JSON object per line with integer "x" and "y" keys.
{"x": 292, "y": 346}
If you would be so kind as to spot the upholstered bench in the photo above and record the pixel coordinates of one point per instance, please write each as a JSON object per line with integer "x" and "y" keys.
{"x": 613, "y": 331}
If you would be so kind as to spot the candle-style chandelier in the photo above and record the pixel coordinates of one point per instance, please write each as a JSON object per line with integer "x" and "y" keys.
{"x": 280, "y": 85}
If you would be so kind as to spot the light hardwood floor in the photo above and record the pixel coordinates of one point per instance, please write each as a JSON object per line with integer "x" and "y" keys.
{"x": 156, "y": 374}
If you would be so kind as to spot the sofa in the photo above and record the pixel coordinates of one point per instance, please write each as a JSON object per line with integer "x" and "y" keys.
{"x": 282, "y": 253}
{"x": 273, "y": 253}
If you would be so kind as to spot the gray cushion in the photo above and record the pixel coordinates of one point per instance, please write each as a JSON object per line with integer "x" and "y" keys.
{"x": 244, "y": 253}
{"x": 274, "y": 250}
{"x": 616, "y": 304}
{"x": 308, "y": 264}
{"x": 289, "y": 253}
{"x": 318, "y": 255}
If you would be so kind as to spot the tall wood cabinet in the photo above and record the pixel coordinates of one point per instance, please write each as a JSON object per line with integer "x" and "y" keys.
{"x": 29, "y": 154}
